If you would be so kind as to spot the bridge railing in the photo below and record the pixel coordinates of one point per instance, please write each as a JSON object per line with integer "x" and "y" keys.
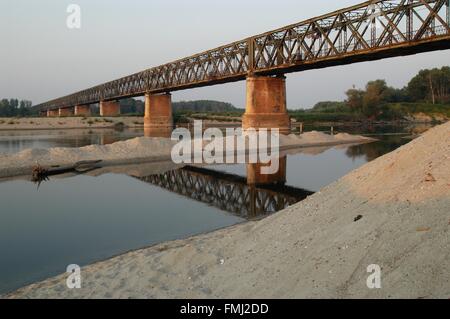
{"x": 368, "y": 27}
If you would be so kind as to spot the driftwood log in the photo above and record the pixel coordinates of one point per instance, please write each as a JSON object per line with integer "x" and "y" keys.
{"x": 40, "y": 173}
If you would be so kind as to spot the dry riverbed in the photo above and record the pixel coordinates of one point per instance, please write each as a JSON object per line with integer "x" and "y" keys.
{"x": 51, "y": 123}
{"x": 393, "y": 212}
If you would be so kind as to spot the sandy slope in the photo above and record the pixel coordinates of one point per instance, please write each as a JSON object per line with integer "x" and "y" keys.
{"x": 313, "y": 249}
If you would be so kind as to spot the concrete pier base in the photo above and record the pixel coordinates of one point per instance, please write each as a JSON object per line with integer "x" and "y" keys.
{"x": 82, "y": 110}
{"x": 53, "y": 113}
{"x": 266, "y": 104}
{"x": 157, "y": 132}
{"x": 67, "y": 111}
{"x": 255, "y": 177}
{"x": 109, "y": 108}
{"x": 158, "y": 112}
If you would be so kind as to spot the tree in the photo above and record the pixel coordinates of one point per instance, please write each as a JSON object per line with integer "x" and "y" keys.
{"x": 355, "y": 99}
{"x": 439, "y": 85}
{"x": 374, "y": 96}
{"x": 14, "y": 107}
{"x": 393, "y": 95}
{"x": 132, "y": 106}
{"x": 431, "y": 86}
{"x": 6, "y": 108}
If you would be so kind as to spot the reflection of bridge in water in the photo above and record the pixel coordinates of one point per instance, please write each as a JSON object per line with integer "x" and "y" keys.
{"x": 228, "y": 192}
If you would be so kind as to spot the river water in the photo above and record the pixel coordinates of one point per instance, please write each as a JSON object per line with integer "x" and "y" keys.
{"x": 86, "y": 218}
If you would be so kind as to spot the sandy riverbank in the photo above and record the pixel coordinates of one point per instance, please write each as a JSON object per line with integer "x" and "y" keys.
{"x": 141, "y": 150}
{"x": 53, "y": 123}
{"x": 313, "y": 249}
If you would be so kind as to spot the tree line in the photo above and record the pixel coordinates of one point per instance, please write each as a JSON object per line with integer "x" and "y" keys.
{"x": 14, "y": 107}
{"x": 428, "y": 86}
{"x": 132, "y": 106}
{"x": 23, "y": 108}
{"x": 203, "y": 106}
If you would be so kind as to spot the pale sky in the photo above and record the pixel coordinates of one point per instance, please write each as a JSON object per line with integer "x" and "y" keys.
{"x": 41, "y": 59}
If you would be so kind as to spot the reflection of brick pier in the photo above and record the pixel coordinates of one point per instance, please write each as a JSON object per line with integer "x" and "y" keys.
{"x": 255, "y": 176}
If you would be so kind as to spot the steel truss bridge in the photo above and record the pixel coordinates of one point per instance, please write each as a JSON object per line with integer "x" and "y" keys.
{"x": 227, "y": 192}
{"x": 368, "y": 31}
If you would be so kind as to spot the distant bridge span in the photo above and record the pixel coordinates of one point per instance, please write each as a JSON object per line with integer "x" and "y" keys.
{"x": 368, "y": 31}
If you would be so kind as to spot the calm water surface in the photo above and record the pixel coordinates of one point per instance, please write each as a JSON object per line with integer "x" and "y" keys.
{"x": 83, "y": 219}
{"x": 16, "y": 141}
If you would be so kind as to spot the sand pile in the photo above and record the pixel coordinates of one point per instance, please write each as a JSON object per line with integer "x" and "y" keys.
{"x": 414, "y": 173}
{"x": 134, "y": 150}
{"x": 141, "y": 149}
{"x": 315, "y": 138}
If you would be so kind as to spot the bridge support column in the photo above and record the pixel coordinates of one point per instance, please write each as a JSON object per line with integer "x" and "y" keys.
{"x": 158, "y": 113}
{"x": 53, "y": 113}
{"x": 67, "y": 111}
{"x": 255, "y": 177}
{"x": 266, "y": 104}
{"x": 110, "y": 108}
{"x": 83, "y": 110}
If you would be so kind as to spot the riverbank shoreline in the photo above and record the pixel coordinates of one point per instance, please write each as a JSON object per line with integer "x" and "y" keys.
{"x": 97, "y": 122}
{"x": 69, "y": 123}
{"x": 392, "y": 212}
{"x": 142, "y": 150}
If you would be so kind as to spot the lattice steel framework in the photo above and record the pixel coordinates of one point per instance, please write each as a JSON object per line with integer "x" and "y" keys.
{"x": 369, "y": 31}
{"x": 227, "y": 192}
